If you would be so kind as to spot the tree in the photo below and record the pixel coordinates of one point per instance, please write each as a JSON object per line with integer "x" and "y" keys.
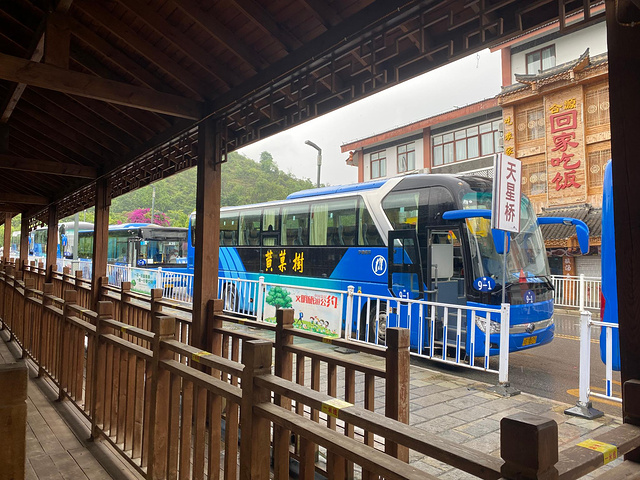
{"x": 279, "y": 298}
{"x": 143, "y": 215}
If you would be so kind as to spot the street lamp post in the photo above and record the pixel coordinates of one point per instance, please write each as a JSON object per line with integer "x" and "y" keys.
{"x": 153, "y": 202}
{"x": 311, "y": 144}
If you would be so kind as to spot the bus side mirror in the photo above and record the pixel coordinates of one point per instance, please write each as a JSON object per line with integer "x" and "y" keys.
{"x": 582, "y": 232}
{"x": 498, "y": 240}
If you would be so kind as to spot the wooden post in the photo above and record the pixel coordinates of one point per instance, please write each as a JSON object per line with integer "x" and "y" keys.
{"x": 207, "y": 239}
{"x": 70, "y": 298}
{"x": 13, "y": 418}
{"x": 164, "y": 329}
{"x": 283, "y": 369}
{"x": 52, "y": 241}
{"x": 156, "y": 296}
{"x": 24, "y": 239}
{"x": 397, "y": 385}
{"x": 28, "y": 331}
{"x": 105, "y": 311}
{"x": 529, "y": 447}
{"x": 7, "y": 235}
{"x": 125, "y": 293}
{"x": 631, "y": 395}
{"x": 624, "y": 75}
{"x": 100, "y": 238}
{"x": 44, "y": 332}
{"x": 254, "y": 442}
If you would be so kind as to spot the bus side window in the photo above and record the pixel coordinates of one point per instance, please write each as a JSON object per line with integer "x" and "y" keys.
{"x": 367, "y": 233}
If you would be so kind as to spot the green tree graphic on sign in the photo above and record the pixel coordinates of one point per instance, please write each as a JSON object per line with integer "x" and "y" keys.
{"x": 279, "y": 298}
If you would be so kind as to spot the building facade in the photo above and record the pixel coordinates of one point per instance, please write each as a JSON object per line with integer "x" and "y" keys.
{"x": 552, "y": 114}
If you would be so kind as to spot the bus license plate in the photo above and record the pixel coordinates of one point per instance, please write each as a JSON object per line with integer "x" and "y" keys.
{"x": 529, "y": 340}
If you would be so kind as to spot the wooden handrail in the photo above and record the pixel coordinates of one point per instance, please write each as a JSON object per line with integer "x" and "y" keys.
{"x": 358, "y": 367}
{"x": 384, "y": 465}
{"x": 205, "y": 358}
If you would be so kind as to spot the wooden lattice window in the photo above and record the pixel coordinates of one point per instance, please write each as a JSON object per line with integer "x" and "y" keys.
{"x": 534, "y": 178}
{"x": 597, "y": 107}
{"x": 530, "y": 124}
{"x": 595, "y": 162}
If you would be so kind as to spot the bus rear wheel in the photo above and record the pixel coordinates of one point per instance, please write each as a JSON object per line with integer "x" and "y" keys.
{"x": 380, "y": 321}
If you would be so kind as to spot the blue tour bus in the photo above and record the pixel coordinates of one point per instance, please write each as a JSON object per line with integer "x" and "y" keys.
{"x": 38, "y": 239}
{"x": 392, "y": 238}
{"x": 609, "y": 296}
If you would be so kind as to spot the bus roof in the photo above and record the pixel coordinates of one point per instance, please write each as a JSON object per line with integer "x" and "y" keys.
{"x": 353, "y": 187}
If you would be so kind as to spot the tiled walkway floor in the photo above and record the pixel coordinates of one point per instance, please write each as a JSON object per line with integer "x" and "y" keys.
{"x": 57, "y": 445}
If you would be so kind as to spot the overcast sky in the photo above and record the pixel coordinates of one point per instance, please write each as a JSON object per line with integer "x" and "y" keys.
{"x": 466, "y": 81}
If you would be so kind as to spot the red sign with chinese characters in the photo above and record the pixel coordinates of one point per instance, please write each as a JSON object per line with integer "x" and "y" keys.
{"x": 565, "y": 147}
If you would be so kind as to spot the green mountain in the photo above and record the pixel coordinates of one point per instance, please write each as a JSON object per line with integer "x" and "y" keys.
{"x": 244, "y": 181}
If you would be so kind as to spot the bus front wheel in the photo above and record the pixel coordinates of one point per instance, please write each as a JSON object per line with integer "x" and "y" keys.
{"x": 230, "y": 297}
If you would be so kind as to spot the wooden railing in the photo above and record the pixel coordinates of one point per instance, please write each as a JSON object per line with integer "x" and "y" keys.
{"x": 175, "y": 411}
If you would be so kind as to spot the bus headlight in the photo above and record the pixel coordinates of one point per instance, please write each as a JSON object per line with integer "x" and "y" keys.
{"x": 494, "y": 327}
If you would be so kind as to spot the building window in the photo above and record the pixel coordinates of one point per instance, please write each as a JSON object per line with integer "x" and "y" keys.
{"x": 540, "y": 60}
{"x": 378, "y": 165}
{"x": 530, "y": 124}
{"x": 596, "y": 162}
{"x": 534, "y": 178}
{"x": 467, "y": 143}
{"x": 597, "y": 106}
{"x": 406, "y": 157}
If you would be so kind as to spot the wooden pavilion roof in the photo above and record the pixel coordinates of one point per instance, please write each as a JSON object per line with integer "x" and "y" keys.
{"x": 116, "y": 88}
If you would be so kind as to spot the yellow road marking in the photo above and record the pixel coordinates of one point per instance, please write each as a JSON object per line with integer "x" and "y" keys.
{"x": 572, "y": 337}
{"x": 574, "y": 392}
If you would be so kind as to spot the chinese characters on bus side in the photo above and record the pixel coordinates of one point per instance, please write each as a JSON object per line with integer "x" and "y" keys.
{"x": 297, "y": 262}
{"x": 564, "y": 121}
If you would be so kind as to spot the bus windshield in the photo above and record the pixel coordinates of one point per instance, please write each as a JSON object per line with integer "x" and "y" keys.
{"x": 527, "y": 253}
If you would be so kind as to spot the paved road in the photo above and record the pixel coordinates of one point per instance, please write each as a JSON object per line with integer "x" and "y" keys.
{"x": 551, "y": 371}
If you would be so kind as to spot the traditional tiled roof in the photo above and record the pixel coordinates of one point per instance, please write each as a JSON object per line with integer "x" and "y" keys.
{"x": 559, "y": 72}
{"x": 585, "y": 212}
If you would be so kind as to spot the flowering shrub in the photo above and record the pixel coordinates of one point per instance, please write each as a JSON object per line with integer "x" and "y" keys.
{"x": 143, "y": 215}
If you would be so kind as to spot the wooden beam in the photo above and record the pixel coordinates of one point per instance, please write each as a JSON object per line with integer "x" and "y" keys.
{"x": 11, "y": 162}
{"x": 34, "y": 53}
{"x": 208, "y": 187}
{"x": 14, "y": 198}
{"x": 57, "y": 41}
{"x": 24, "y": 240}
{"x": 624, "y": 76}
{"x": 100, "y": 239}
{"x": 7, "y": 235}
{"x": 52, "y": 241}
{"x": 58, "y": 79}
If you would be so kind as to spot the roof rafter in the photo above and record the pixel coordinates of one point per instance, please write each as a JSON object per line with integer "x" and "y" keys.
{"x": 53, "y": 78}
{"x": 13, "y": 162}
{"x": 21, "y": 198}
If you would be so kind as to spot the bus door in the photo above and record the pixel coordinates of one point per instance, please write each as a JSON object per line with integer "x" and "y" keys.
{"x": 445, "y": 281}
{"x": 404, "y": 274}
{"x": 133, "y": 252}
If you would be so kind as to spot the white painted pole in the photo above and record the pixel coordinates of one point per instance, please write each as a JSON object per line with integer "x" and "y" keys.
{"x": 503, "y": 372}
{"x": 349, "y": 316}
{"x": 582, "y": 292}
{"x": 260, "y": 298}
{"x": 609, "y": 366}
{"x": 585, "y": 356}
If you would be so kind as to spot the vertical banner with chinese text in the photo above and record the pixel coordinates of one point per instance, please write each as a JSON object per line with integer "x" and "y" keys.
{"x": 507, "y": 184}
{"x": 566, "y": 163}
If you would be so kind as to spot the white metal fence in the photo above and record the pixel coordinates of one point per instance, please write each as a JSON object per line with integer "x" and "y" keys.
{"x": 577, "y": 291}
{"x": 432, "y": 338}
{"x": 583, "y": 405}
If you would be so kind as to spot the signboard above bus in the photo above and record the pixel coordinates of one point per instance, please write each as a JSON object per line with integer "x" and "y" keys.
{"x": 505, "y": 204}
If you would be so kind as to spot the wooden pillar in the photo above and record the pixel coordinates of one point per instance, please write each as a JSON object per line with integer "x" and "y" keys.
{"x": 24, "y": 240}
{"x": 624, "y": 96}
{"x": 100, "y": 239}
{"x": 205, "y": 282}
{"x": 7, "y": 235}
{"x": 397, "y": 385}
{"x": 52, "y": 240}
{"x": 13, "y": 418}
